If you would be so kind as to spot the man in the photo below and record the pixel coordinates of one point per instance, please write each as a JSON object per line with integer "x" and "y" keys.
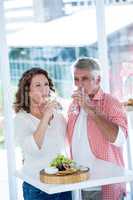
{"x": 99, "y": 125}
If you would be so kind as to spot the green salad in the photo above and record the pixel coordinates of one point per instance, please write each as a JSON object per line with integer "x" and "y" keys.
{"x": 62, "y": 163}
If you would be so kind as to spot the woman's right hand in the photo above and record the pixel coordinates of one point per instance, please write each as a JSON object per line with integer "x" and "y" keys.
{"x": 48, "y": 108}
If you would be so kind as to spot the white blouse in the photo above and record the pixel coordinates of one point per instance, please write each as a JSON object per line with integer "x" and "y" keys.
{"x": 36, "y": 159}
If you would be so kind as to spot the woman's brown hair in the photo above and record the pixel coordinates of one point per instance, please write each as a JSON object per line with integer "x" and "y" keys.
{"x": 22, "y": 101}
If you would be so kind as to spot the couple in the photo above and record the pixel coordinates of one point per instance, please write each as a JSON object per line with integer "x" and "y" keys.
{"x": 99, "y": 125}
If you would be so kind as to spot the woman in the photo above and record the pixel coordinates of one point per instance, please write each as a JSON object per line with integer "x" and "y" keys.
{"x": 39, "y": 129}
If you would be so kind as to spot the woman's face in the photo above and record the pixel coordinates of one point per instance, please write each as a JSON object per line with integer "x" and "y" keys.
{"x": 39, "y": 89}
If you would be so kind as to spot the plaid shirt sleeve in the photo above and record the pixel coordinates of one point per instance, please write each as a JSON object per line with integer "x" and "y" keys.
{"x": 115, "y": 112}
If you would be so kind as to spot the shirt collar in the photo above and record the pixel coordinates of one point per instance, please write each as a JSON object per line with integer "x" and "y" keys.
{"x": 98, "y": 95}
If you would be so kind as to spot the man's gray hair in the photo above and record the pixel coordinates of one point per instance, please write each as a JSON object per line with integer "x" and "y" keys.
{"x": 87, "y": 63}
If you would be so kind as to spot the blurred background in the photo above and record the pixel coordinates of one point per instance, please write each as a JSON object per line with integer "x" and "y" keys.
{"x": 51, "y": 34}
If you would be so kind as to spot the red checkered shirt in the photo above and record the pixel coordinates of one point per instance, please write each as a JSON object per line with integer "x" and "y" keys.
{"x": 100, "y": 146}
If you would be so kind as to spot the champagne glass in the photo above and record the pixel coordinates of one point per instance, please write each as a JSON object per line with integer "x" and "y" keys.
{"x": 53, "y": 97}
{"x": 75, "y": 107}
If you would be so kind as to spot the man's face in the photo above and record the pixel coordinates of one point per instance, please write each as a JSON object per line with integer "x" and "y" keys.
{"x": 84, "y": 78}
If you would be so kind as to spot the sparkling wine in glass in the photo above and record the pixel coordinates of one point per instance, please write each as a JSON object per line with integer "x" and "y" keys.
{"x": 53, "y": 97}
{"x": 75, "y": 107}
